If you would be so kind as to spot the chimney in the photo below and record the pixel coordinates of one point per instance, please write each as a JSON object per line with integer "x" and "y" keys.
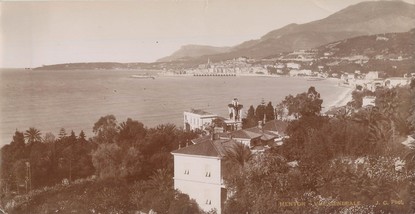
{"x": 187, "y": 143}
{"x": 212, "y": 132}
{"x": 180, "y": 146}
{"x": 260, "y": 124}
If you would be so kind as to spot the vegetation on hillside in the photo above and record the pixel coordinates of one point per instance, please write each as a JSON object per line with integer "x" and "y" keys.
{"x": 350, "y": 163}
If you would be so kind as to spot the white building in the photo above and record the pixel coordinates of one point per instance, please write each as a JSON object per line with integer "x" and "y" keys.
{"x": 293, "y": 65}
{"x": 198, "y": 172}
{"x": 368, "y": 101}
{"x": 197, "y": 119}
{"x": 396, "y": 81}
{"x": 372, "y": 75}
{"x": 303, "y": 72}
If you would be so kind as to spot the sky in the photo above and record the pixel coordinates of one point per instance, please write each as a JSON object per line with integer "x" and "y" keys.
{"x": 40, "y": 33}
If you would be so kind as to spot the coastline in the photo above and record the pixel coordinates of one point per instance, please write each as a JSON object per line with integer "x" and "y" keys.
{"x": 343, "y": 98}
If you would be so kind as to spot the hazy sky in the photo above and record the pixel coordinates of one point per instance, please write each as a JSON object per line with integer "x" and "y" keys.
{"x": 36, "y": 33}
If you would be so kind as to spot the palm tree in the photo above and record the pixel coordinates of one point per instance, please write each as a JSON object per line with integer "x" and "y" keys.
{"x": 238, "y": 153}
{"x": 161, "y": 180}
{"x": 33, "y": 135}
{"x": 236, "y": 157}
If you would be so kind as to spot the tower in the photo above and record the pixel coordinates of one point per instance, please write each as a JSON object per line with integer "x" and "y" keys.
{"x": 235, "y": 114}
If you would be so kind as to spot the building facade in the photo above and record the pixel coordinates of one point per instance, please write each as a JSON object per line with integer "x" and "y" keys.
{"x": 197, "y": 119}
{"x": 198, "y": 172}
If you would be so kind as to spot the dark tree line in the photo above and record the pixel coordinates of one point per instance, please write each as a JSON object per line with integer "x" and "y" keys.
{"x": 262, "y": 113}
{"x": 125, "y": 150}
{"x": 30, "y": 162}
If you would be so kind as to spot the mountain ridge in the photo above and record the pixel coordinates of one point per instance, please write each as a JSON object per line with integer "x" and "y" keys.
{"x": 365, "y": 18}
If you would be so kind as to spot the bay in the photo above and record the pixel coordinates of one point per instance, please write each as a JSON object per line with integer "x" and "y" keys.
{"x": 75, "y": 100}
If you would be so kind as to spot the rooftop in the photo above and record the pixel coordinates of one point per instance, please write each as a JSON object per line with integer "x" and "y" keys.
{"x": 207, "y": 147}
{"x": 200, "y": 112}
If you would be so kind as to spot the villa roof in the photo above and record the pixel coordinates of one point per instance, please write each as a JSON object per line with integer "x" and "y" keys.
{"x": 244, "y": 134}
{"x": 206, "y": 147}
{"x": 200, "y": 112}
{"x": 252, "y": 133}
{"x": 265, "y": 134}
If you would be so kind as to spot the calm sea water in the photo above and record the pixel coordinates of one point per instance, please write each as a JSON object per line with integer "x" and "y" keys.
{"x": 75, "y": 100}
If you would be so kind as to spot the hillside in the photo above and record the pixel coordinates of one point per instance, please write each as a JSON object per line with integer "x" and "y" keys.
{"x": 189, "y": 51}
{"x": 365, "y": 18}
{"x": 380, "y": 46}
{"x": 392, "y": 53}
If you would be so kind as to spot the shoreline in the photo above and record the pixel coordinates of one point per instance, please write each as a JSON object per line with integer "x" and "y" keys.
{"x": 343, "y": 98}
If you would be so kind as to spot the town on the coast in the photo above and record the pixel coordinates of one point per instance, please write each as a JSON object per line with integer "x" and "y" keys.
{"x": 289, "y": 154}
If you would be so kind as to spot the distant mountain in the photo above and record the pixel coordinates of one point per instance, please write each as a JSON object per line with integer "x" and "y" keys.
{"x": 190, "y": 51}
{"x": 365, "y": 18}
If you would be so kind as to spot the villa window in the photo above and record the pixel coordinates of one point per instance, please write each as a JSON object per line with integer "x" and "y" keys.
{"x": 186, "y": 172}
{"x": 208, "y": 202}
{"x": 207, "y": 171}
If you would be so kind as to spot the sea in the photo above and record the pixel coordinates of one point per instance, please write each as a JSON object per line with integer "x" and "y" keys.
{"x": 75, "y": 99}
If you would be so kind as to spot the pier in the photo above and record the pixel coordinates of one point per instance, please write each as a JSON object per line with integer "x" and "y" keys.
{"x": 214, "y": 75}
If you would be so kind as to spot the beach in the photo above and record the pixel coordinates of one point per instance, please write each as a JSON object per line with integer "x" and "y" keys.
{"x": 343, "y": 98}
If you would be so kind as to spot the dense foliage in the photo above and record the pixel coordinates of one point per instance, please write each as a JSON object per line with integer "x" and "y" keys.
{"x": 125, "y": 151}
{"x": 351, "y": 163}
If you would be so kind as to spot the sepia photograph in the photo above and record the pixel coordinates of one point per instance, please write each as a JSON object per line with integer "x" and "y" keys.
{"x": 207, "y": 106}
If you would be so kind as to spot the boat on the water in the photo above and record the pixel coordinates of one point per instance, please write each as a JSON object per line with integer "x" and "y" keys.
{"x": 142, "y": 76}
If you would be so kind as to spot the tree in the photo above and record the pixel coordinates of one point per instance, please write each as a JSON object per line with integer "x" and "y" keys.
{"x": 411, "y": 118}
{"x": 157, "y": 194}
{"x": 237, "y": 155}
{"x": 250, "y": 120}
{"x": 387, "y": 101}
{"x": 304, "y": 104}
{"x": 62, "y": 134}
{"x": 131, "y": 132}
{"x": 33, "y": 135}
{"x": 269, "y": 112}
{"x": 259, "y": 187}
{"x": 105, "y": 129}
{"x": 107, "y": 159}
{"x": 72, "y": 137}
{"x": 280, "y": 110}
{"x": 260, "y": 112}
{"x": 82, "y": 136}
{"x": 49, "y": 138}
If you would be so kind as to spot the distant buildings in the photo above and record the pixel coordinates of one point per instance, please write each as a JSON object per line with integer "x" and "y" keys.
{"x": 396, "y": 81}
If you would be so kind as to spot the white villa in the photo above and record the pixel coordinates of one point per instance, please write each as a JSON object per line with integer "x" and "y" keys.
{"x": 197, "y": 119}
{"x": 198, "y": 172}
